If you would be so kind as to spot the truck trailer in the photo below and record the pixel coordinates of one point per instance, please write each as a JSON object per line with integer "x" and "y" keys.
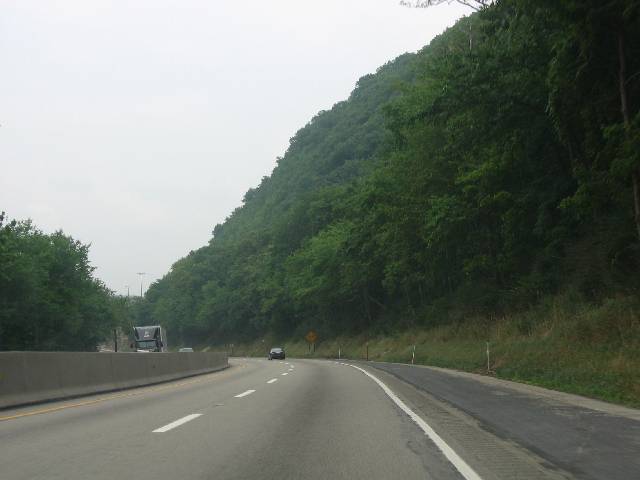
{"x": 149, "y": 339}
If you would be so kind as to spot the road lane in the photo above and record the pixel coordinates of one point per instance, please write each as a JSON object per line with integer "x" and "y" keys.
{"x": 295, "y": 419}
{"x": 66, "y": 443}
{"x": 322, "y": 420}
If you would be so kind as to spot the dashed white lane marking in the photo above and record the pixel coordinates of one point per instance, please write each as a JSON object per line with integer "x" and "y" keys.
{"x": 244, "y": 394}
{"x": 285, "y": 373}
{"x": 177, "y": 423}
{"x": 465, "y": 470}
{"x": 272, "y": 380}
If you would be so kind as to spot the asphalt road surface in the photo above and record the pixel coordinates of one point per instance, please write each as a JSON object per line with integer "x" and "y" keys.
{"x": 587, "y": 438}
{"x": 293, "y": 419}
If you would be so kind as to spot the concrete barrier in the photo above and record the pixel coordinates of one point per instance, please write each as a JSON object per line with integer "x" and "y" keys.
{"x": 30, "y": 377}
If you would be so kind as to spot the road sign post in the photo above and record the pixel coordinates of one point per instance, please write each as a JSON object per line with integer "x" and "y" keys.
{"x": 311, "y": 339}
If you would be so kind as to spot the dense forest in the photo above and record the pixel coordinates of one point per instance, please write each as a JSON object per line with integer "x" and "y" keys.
{"x": 497, "y": 166}
{"x": 49, "y": 298}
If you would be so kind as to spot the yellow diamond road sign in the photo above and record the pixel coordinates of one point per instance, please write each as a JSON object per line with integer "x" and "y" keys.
{"x": 311, "y": 337}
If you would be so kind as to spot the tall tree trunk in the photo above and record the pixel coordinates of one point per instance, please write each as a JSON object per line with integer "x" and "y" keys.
{"x": 624, "y": 108}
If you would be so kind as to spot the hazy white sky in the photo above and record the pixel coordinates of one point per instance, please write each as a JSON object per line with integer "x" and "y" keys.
{"x": 137, "y": 125}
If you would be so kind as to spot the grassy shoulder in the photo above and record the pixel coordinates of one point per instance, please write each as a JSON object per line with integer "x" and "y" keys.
{"x": 561, "y": 344}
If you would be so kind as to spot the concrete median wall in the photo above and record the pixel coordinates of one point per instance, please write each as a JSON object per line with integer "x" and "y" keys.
{"x": 30, "y": 377}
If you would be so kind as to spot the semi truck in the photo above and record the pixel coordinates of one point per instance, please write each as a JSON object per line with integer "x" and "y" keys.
{"x": 151, "y": 338}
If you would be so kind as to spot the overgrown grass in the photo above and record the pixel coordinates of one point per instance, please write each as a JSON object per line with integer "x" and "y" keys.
{"x": 561, "y": 344}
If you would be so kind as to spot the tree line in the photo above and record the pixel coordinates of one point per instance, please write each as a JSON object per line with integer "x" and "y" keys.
{"x": 49, "y": 297}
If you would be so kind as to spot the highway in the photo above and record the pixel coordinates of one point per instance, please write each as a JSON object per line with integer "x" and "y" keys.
{"x": 309, "y": 419}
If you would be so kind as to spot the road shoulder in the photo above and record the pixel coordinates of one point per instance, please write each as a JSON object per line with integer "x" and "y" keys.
{"x": 554, "y": 396}
{"x": 490, "y": 456}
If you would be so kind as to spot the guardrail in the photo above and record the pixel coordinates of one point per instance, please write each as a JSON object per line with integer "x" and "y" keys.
{"x": 30, "y": 377}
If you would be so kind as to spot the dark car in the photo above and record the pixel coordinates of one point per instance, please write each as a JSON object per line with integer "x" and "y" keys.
{"x": 276, "y": 353}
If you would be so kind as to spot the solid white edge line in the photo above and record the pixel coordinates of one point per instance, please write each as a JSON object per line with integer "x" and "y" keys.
{"x": 272, "y": 380}
{"x": 177, "y": 423}
{"x": 465, "y": 470}
{"x": 244, "y": 394}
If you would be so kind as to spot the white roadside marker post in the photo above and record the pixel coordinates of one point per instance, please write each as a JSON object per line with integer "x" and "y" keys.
{"x": 488, "y": 360}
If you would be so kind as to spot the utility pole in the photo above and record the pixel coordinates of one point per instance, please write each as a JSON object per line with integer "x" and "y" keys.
{"x": 141, "y": 274}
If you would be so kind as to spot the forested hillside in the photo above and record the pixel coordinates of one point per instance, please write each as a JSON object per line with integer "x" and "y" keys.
{"x": 494, "y": 169}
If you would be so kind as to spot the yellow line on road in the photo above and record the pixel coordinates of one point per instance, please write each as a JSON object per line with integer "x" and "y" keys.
{"x": 139, "y": 391}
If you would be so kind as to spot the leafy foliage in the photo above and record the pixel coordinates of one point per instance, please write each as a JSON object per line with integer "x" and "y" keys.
{"x": 49, "y": 299}
{"x": 486, "y": 171}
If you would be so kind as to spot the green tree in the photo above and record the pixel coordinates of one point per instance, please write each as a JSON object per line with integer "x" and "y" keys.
{"x": 49, "y": 299}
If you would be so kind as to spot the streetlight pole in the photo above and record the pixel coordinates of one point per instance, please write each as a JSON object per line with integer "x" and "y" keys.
{"x": 141, "y": 277}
